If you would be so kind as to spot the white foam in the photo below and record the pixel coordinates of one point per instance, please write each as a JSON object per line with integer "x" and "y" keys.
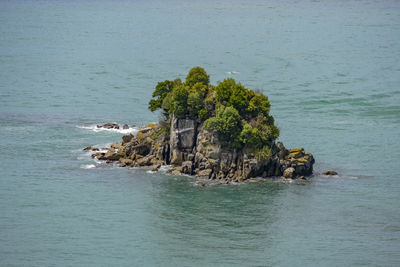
{"x": 88, "y": 166}
{"x": 164, "y": 168}
{"x": 232, "y": 72}
{"x": 94, "y": 128}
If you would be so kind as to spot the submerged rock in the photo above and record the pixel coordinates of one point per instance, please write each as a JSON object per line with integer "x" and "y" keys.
{"x": 330, "y": 173}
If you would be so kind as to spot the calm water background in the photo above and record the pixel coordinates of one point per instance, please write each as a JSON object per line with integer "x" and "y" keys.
{"x": 330, "y": 68}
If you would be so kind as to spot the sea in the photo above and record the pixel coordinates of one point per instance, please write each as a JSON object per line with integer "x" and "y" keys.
{"x": 331, "y": 70}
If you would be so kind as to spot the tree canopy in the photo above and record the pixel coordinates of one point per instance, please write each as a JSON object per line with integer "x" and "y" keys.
{"x": 239, "y": 116}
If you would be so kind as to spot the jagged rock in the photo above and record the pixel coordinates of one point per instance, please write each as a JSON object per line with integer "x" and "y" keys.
{"x": 156, "y": 167}
{"x": 125, "y": 162}
{"x": 289, "y": 173}
{"x": 187, "y": 167}
{"x": 109, "y": 126}
{"x": 193, "y": 150}
{"x": 125, "y": 127}
{"x": 99, "y": 155}
{"x": 145, "y": 161}
{"x": 90, "y": 148}
{"x": 141, "y": 149}
{"x": 330, "y": 172}
{"x": 127, "y": 138}
{"x": 282, "y": 151}
{"x": 175, "y": 171}
{"x": 145, "y": 130}
{"x": 205, "y": 173}
{"x": 112, "y": 156}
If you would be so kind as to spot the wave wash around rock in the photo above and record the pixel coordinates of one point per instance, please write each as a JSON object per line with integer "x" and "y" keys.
{"x": 221, "y": 132}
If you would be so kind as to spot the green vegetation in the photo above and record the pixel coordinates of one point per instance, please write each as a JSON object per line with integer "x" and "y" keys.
{"x": 228, "y": 125}
{"x": 239, "y": 116}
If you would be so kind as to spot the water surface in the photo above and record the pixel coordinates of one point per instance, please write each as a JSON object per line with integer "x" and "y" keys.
{"x": 330, "y": 68}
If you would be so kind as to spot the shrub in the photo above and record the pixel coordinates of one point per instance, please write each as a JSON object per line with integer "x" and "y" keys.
{"x": 200, "y": 88}
{"x": 264, "y": 154}
{"x": 259, "y": 104}
{"x": 163, "y": 90}
{"x": 197, "y": 75}
{"x": 203, "y": 114}
{"x": 160, "y": 92}
{"x": 228, "y": 125}
{"x": 224, "y": 90}
{"x": 179, "y": 98}
{"x": 195, "y": 104}
{"x": 250, "y": 137}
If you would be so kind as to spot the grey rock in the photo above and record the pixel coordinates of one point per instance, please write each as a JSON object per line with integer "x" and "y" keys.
{"x": 187, "y": 167}
{"x": 127, "y": 138}
{"x": 289, "y": 173}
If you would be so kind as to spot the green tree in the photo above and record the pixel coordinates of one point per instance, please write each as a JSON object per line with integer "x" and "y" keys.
{"x": 195, "y": 104}
{"x": 197, "y": 75}
{"x": 224, "y": 91}
{"x": 264, "y": 153}
{"x": 161, "y": 91}
{"x": 259, "y": 104}
{"x": 179, "y": 100}
{"x": 250, "y": 136}
{"x": 239, "y": 98}
{"x": 230, "y": 93}
{"x": 228, "y": 125}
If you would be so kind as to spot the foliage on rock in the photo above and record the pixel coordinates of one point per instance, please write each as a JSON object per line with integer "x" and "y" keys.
{"x": 239, "y": 116}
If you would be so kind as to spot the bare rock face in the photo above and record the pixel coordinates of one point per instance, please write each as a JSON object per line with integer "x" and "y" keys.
{"x": 193, "y": 150}
{"x": 182, "y": 137}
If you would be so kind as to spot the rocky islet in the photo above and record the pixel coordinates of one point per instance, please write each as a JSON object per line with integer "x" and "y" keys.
{"x": 222, "y": 132}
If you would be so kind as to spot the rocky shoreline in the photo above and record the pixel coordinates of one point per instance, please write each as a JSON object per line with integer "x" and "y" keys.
{"x": 192, "y": 150}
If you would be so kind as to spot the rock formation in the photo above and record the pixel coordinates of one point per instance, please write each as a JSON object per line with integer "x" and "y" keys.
{"x": 190, "y": 149}
{"x": 222, "y": 132}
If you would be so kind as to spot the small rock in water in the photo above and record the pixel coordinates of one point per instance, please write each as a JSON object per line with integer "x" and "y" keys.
{"x": 90, "y": 148}
{"x": 330, "y": 172}
{"x": 109, "y": 126}
{"x": 125, "y": 127}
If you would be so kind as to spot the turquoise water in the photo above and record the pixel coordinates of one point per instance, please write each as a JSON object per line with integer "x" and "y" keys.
{"x": 330, "y": 68}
